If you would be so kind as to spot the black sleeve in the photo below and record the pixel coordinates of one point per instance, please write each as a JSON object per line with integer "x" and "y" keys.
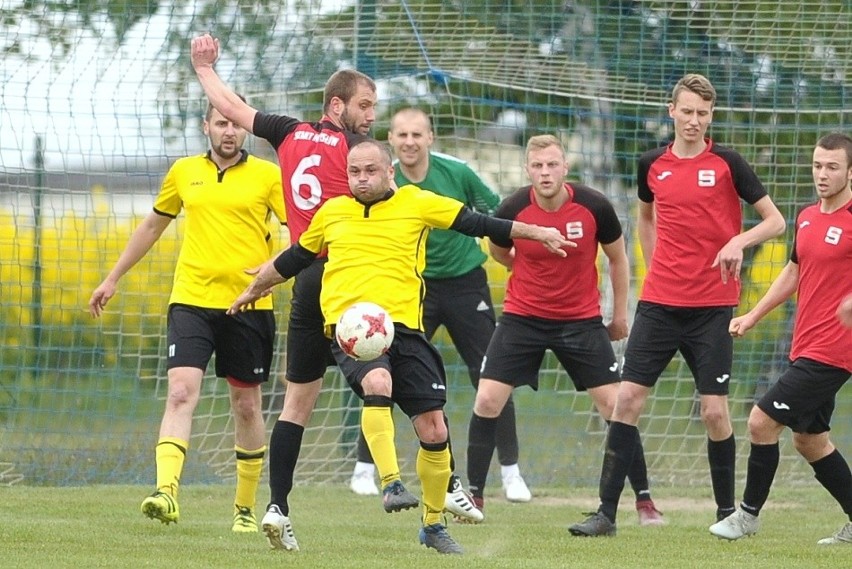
{"x": 608, "y": 227}
{"x": 642, "y": 168}
{"x": 478, "y": 224}
{"x": 746, "y": 182}
{"x": 273, "y": 128}
{"x": 293, "y": 260}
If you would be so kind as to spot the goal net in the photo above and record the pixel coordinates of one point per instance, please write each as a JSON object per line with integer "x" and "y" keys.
{"x": 96, "y": 105}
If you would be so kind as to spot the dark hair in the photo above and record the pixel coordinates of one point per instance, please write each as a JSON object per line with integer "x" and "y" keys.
{"x": 343, "y": 85}
{"x": 837, "y": 141}
{"x": 210, "y": 107}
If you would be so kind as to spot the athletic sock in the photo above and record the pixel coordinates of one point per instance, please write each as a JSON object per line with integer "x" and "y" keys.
{"x": 284, "y": 446}
{"x": 433, "y": 469}
{"x": 480, "y": 449}
{"x": 249, "y": 468}
{"x": 722, "y": 456}
{"x": 832, "y": 471}
{"x": 378, "y": 427}
{"x": 762, "y": 465}
{"x": 506, "y": 435}
{"x": 170, "y": 455}
{"x": 620, "y": 449}
{"x": 363, "y": 449}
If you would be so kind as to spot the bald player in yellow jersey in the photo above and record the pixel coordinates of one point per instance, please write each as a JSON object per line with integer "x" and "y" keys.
{"x": 227, "y": 196}
{"x": 376, "y": 242}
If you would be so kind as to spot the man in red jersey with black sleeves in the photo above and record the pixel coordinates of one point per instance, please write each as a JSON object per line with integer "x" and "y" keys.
{"x": 312, "y": 157}
{"x": 554, "y": 303}
{"x": 803, "y": 398}
{"x": 690, "y": 230}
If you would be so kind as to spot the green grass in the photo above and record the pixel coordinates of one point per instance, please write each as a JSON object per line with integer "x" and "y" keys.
{"x": 100, "y": 526}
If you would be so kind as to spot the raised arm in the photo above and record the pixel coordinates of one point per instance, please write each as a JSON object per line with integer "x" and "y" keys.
{"x": 140, "y": 242}
{"x": 204, "y": 51}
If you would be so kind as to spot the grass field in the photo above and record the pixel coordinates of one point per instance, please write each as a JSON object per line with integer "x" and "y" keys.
{"x": 100, "y": 526}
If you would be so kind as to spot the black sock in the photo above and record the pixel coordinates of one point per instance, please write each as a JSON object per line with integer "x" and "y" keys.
{"x": 284, "y": 446}
{"x": 638, "y": 473}
{"x": 722, "y": 456}
{"x": 363, "y": 450}
{"x": 833, "y": 473}
{"x": 762, "y": 465}
{"x": 506, "y": 437}
{"x": 480, "y": 449}
{"x": 620, "y": 448}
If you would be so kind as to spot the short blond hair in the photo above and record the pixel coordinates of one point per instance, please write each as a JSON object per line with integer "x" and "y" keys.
{"x": 542, "y": 141}
{"x": 695, "y": 83}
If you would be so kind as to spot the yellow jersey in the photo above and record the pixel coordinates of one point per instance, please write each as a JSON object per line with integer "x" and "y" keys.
{"x": 226, "y": 229}
{"x": 377, "y": 252}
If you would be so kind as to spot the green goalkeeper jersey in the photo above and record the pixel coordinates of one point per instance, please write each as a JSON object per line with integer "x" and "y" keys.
{"x": 448, "y": 253}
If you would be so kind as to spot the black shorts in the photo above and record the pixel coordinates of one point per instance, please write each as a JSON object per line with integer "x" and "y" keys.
{"x": 701, "y": 335}
{"x": 243, "y": 343}
{"x": 308, "y": 348}
{"x": 419, "y": 383}
{"x": 463, "y": 306}
{"x": 803, "y": 397}
{"x": 583, "y": 348}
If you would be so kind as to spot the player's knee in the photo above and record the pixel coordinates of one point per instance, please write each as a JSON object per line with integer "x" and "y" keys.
{"x": 812, "y": 447}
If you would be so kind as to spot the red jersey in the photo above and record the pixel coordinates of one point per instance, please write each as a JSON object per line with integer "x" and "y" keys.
{"x": 697, "y": 203}
{"x": 823, "y": 251}
{"x": 545, "y": 285}
{"x": 312, "y": 157}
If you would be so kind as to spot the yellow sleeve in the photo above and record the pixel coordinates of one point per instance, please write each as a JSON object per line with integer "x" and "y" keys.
{"x": 438, "y": 211}
{"x": 168, "y": 200}
{"x": 313, "y": 239}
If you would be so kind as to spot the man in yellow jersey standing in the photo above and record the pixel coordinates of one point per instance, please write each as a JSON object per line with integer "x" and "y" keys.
{"x": 228, "y": 196}
{"x": 376, "y": 243}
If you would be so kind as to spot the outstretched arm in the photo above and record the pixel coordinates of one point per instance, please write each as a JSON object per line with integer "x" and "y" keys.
{"x": 204, "y": 51}
{"x": 143, "y": 238}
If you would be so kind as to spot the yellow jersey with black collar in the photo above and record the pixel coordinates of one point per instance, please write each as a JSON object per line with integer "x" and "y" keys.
{"x": 377, "y": 252}
{"x": 226, "y": 229}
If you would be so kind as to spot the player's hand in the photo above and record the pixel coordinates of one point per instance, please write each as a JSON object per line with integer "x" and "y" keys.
{"x": 553, "y": 241}
{"x": 740, "y": 325}
{"x": 203, "y": 51}
{"x": 844, "y": 311}
{"x": 245, "y": 301}
{"x": 617, "y": 329}
{"x": 730, "y": 261}
{"x": 100, "y": 297}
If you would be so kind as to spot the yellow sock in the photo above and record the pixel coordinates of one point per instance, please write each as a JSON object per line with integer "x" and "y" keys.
{"x": 433, "y": 469}
{"x": 249, "y": 468}
{"x": 171, "y": 453}
{"x": 378, "y": 428}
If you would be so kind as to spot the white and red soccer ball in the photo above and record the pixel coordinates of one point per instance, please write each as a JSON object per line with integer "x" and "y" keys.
{"x": 364, "y": 331}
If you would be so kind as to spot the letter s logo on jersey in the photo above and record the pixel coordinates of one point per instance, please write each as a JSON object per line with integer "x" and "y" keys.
{"x": 833, "y": 234}
{"x": 706, "y": 178}
{"x": 574, "y": 230}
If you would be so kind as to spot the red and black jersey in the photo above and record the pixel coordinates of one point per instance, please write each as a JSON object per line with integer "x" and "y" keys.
{"x": 545, "y": 285}
{"x": 823, "y": 250}
{"x": 698, "y": 209}
{"x": 312, "y": 157}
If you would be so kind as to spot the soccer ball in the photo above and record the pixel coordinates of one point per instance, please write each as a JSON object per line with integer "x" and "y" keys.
{"x": 364, "y": 331}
